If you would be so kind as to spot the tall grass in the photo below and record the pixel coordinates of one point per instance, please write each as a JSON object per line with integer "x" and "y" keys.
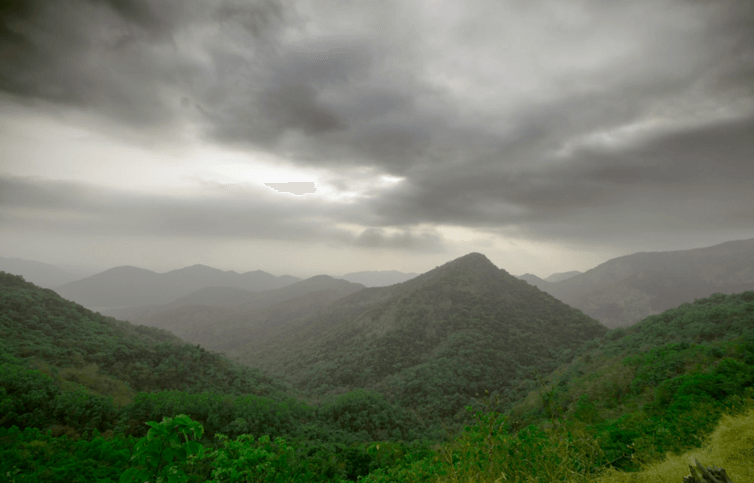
{"x": 488, "y": 452}
{"x": 730, "y": 446}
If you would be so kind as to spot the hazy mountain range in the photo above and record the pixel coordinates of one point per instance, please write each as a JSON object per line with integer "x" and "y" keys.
{"x": 42, "y": 274}
{"x": 378, "y": 278}
{"x": 619, "y": 292}
{"x": 223, "y": 318}
{"x": 625, "y": 290}
{"x": 130, "y": 286}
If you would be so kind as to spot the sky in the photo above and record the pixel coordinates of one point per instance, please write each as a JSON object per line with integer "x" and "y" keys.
{"x": 325, "y": 136}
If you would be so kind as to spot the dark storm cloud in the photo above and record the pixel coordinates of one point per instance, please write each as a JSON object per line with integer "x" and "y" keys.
{"x": 230, "y": 211}
{"x": 505, "y": 126}
{"x": 691, "y": 180}
{"x": 126, "y": 59}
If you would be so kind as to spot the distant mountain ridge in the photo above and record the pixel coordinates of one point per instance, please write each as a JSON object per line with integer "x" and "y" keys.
{"x": 44, "y": 275}
{"x": 380, "y": 278}
{"x": 532, "y": 279}
{"x": 625, "y": 290}
{"x": 559, "y": 277}
{"x": 131, "y": 286}
{"x": 222, "y": 318}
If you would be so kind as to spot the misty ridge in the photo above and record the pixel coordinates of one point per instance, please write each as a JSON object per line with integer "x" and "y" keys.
{"x": 653, "y": 282}
{"x": 410, "y": 363}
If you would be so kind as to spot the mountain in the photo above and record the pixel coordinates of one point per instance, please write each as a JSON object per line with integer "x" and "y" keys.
{"x": 378, "y": 278}
{"x": 137, "y": 287}
{"x": 559, "y": 277}
{"x": 108, "y": 356}
{"x": 687, "y": 364}
{"x": 42, "y": 274}
{"x": 532, "y": 279}
{"x": 221, "y": 319}
{"x": 625, "y": 290}
{"x": 431, "y": 343}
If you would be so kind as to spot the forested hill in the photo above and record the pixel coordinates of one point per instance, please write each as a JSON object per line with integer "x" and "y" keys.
{"x": 431, "y": 343}
{"x": 111, "y": 357}
{"x": 689, "y": 363}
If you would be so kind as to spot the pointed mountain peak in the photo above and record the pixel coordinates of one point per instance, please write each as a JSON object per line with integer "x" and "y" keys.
{"x": 472, "y": 261}
{"x": 472, "y": 272}
{"x": 198, "y": 268}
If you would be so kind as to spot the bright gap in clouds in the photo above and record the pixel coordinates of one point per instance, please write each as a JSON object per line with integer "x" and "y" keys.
{"x": 67, "y": 151}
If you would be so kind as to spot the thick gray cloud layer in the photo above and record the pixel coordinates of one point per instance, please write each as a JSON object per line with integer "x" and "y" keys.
{"x": 576, "y": 119}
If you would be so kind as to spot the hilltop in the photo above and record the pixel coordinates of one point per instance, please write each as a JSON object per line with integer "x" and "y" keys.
{"x": 432, "y": 343}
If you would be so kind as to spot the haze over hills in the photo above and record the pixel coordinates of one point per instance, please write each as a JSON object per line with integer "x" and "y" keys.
{"x": 202, "y": 319}
{"x": 42, "y": 274}
{"x": 431, "y": 343}
{"x": 381, "y": 278}
{"x": 559, "y": 277}
{"x": 532, "y": 279}
{"x": 130, "y": 286}
{"x": 624, "y": 290}
{"x": 108, "y": 356}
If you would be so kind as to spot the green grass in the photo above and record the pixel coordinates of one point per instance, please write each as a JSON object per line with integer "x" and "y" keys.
{"x": 730, "y": 446}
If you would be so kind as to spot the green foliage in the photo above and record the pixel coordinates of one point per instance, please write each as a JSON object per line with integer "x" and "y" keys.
{"x": 37, "y": 325}
{"x": 31, "y": 456}
{"x": 219, "y": 413}
{"x": 263, "y": 460}
{"x": 163, "y": 454}
{"x": 624, "y": 402}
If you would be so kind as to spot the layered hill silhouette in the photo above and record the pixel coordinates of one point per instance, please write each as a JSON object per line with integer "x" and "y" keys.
{"x": 381, "y": 278}
{"x": 223, "y": 318}
{"x": 42, "y": 274}
{"x": 431, "y": 343}
{"x": 625, "y": 290}
{"x": 559, "y": 277}
{"x": 137, "y": 287}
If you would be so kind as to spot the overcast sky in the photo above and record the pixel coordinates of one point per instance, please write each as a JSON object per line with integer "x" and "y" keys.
{"x": 550, "y": 135}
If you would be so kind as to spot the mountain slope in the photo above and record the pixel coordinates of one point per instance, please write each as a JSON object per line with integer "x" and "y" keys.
{"x": 248, "y": 316}
{"x": 643, "y": 386}
{"x": 43, "y": 329}
{"x": 624, "y": 290}
{"x": 432, "y": 342}
{"x": 135, "y": 287}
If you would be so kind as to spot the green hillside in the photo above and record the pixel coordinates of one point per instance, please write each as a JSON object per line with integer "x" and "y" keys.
{"x": 687, "y": 364}
{"x": 629, "y": 405}
{"x": 66, "y": 339}
{"x": 431, "y": 344}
